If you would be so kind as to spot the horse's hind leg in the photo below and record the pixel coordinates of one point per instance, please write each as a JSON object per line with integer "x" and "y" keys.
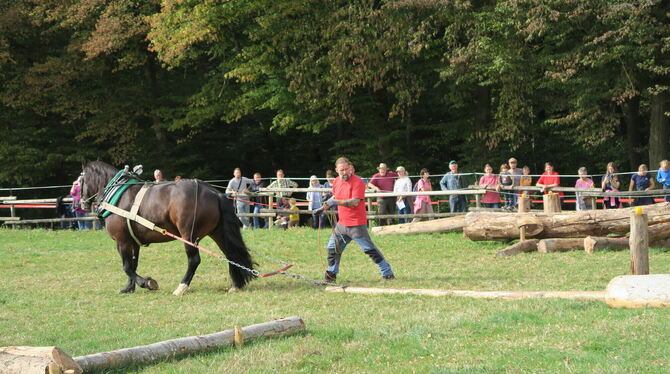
{"x": 130, "y": 253}
{"x": 193, "y": 262}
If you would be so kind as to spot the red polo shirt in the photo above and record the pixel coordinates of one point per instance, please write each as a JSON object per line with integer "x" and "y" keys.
{"x": 354, "y": 188}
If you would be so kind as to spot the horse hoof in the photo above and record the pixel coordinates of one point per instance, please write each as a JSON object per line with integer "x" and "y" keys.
{"x": 181, "y": 289}
{"x": 233, "y": 289}
{"x": 152, "y": 284}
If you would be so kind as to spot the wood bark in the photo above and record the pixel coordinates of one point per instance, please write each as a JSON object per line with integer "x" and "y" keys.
{"x": 551, "y": 203}
{"x": 450, "y": 224}
{"x": 560, "y": 245}
{"x": 631, "y": 114}
{"x": 36, "y": 360}
{"x": 503, "y": 226}
{"x": 593, "y": 244}
{"x": 639, "y": 244}
{"x": 194, "y": 344}
{"x": 520, "y": 247}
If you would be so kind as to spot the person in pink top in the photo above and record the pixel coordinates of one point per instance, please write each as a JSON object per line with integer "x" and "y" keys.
{"x": 77, "y": 209}
{"x": 491, "y": 199}
{"x": 422, "y": 204}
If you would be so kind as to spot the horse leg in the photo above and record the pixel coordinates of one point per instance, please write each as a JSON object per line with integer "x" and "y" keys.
{"x": 193, "y": 261}
{"x": 130, "y": 253}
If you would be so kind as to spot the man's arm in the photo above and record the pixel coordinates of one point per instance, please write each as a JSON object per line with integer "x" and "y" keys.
{"x": 443, "y": 183}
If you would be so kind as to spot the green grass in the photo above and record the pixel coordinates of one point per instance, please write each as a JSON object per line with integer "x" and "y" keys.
{"x": 60, "y": 288}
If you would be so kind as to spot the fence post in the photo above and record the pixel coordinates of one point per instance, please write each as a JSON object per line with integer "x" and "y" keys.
{"x": 271, "y": 221}
{"x": 369, "y": 210}
{"x": 639, "y": 242}
{"x": 551, "y": 202}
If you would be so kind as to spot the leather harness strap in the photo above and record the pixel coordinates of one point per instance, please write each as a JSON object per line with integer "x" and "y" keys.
{"x": 132, "y": 215}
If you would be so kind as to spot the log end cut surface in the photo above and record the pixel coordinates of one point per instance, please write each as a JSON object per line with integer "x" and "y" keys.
{"x": 639, "y": 291}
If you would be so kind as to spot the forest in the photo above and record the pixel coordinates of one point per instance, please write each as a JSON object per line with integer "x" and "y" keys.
{"x": 198, "y": 87}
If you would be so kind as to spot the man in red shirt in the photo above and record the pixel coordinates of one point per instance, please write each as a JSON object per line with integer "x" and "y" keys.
{"x": 349, "y": 196}
{"x": 383, "y": 182}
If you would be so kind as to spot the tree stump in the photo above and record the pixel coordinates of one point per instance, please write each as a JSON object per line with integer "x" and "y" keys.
{"x": 36, "y": 360}
{"x": 639, "y": 291}
{"x": 552, "y": 203}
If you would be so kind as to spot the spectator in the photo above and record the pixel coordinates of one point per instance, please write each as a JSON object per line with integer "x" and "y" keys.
{"x": 526, "y": 180}
{"x": 516, "y": 175}
{"x": 663, "y": 176}
{"x": 158, "y": 176}
{"x": 315, "y": 200}
{"x": 177, "y": 178}
{"x": 491, "y": 199}
{"x": 77, "y": 208}
{"x": 293, "y": 218}
{"x": 282, "y": 182}
{"x": 583, "y": 202}
{"x": 506, "y": 180}
{"x": 402, "y": 184}
{"x": 422, "y": 204}
{"x": 349, "y": 195}
{"x": 642, "y": 181}
{"x": 384, "y": 181}
{"x": 282, "y": 218}
{"x": 64, "y": 210}
{"x": 330, "y": 178}
{"x": 454, "y": 181}
{"x": 549, "y": 179}
{"x": 238, "y": 187}
{"x": 258, "y": 201}
{"x": 610, "y": 183}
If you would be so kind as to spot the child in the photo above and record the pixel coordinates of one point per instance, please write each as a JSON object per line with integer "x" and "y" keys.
{"x": 294, "y": 219}
{"x": 642, "y": 182}
{"x": 505, "y": 180}
{"x": 663, "y": 177}
{"x": 583, "y": 203}
{"x": 526, "y": 180}
{"x": 282, "y": 218}
{"x": 611, "y": 182}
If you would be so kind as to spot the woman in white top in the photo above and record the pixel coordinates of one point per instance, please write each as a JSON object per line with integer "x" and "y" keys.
{"x": 403, "y": 184}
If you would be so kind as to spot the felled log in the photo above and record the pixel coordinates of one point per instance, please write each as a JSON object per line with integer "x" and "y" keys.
{"x": 560, "y": 245}
{"x": 520, "y": 247}
{"x": 639, "y": 291}
{"x": 450, "y": 224}
{"x": 503, "y": 227}
{"x": 36, "y": 360}
{"x": 551, "y": 203}
{"x": 593, "y": 244}
{"x": 170, "y": 348}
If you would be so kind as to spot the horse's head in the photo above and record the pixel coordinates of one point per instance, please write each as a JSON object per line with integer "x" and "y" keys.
{"x": 94, "y": 177}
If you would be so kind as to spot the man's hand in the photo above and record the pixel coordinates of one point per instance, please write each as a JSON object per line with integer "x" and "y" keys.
{"x": 320, "y": 211}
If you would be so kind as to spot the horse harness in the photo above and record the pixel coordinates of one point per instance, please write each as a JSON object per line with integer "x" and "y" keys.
{"x": 133, "y": 215}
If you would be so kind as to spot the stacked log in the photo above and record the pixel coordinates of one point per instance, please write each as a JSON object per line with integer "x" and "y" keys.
{"x": 504, "y": 227}
{"x": 451, "y": 224}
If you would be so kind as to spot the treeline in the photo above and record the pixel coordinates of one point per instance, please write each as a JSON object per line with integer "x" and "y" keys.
{"x": 197, "y": 88}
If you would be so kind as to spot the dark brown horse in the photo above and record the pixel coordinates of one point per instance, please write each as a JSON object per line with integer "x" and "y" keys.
{"x": 190, "y": 209}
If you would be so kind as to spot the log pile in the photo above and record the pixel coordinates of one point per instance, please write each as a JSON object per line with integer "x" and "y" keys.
{"x": 600, "y": 223}
{"x": 451, "y": 224}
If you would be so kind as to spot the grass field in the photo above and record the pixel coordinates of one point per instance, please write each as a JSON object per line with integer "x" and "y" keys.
{"x": 60, "y": 288}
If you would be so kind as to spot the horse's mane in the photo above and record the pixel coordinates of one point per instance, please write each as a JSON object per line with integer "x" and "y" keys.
{"x": 96, "y": 176}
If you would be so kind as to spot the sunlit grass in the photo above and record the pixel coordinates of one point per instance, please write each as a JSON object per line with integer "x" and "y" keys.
{"x": 60, "y": 288}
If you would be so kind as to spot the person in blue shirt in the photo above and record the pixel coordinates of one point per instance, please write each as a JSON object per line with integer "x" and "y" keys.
{"x": 454, "y": 181}
{"x": 663, "y": 177}
{"x": 642, "y": 181}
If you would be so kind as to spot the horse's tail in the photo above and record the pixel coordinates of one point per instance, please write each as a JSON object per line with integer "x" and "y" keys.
{"x": 234, "y": 247}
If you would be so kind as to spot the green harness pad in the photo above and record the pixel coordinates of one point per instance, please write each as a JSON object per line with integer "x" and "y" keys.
{"x": 116, "y": 196}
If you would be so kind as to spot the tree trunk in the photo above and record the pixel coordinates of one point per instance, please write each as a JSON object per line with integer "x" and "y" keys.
{"x": 659, "y": 129}
{"x": 36, "y": 360}
{"x": 150, "y": 75}
{"x": 450, "y": 224}
{"x": 560, "y": 245}
{"x": 631, "y": 112}
{"x": 170, "y": 348}
{"x": 593, "y": 244}
{"x": 504, "y": 226}
{"x": 520, "y": 247}
{"x": 482, "y": 119}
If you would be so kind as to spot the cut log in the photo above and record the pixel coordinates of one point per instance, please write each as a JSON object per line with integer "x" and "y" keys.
{"x": 560, "y": 245}
{"x": 639, "y": 291}
{"x": 551, "y": 202}
{"x": 502, "y": 226}
{"x": 450, "y": 224}
{"x": 36, "y": 360}
{"x": 639, "y": 243}
{"x": 596, "y": 243}
{"x": 661, "y": 244}
{"x": 520, "y": 247}
{"x": 170, "y": 348}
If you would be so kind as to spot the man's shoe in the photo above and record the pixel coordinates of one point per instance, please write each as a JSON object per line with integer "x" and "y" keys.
{"x": 330, "y": 277}
{"x": 388, "y": 277}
